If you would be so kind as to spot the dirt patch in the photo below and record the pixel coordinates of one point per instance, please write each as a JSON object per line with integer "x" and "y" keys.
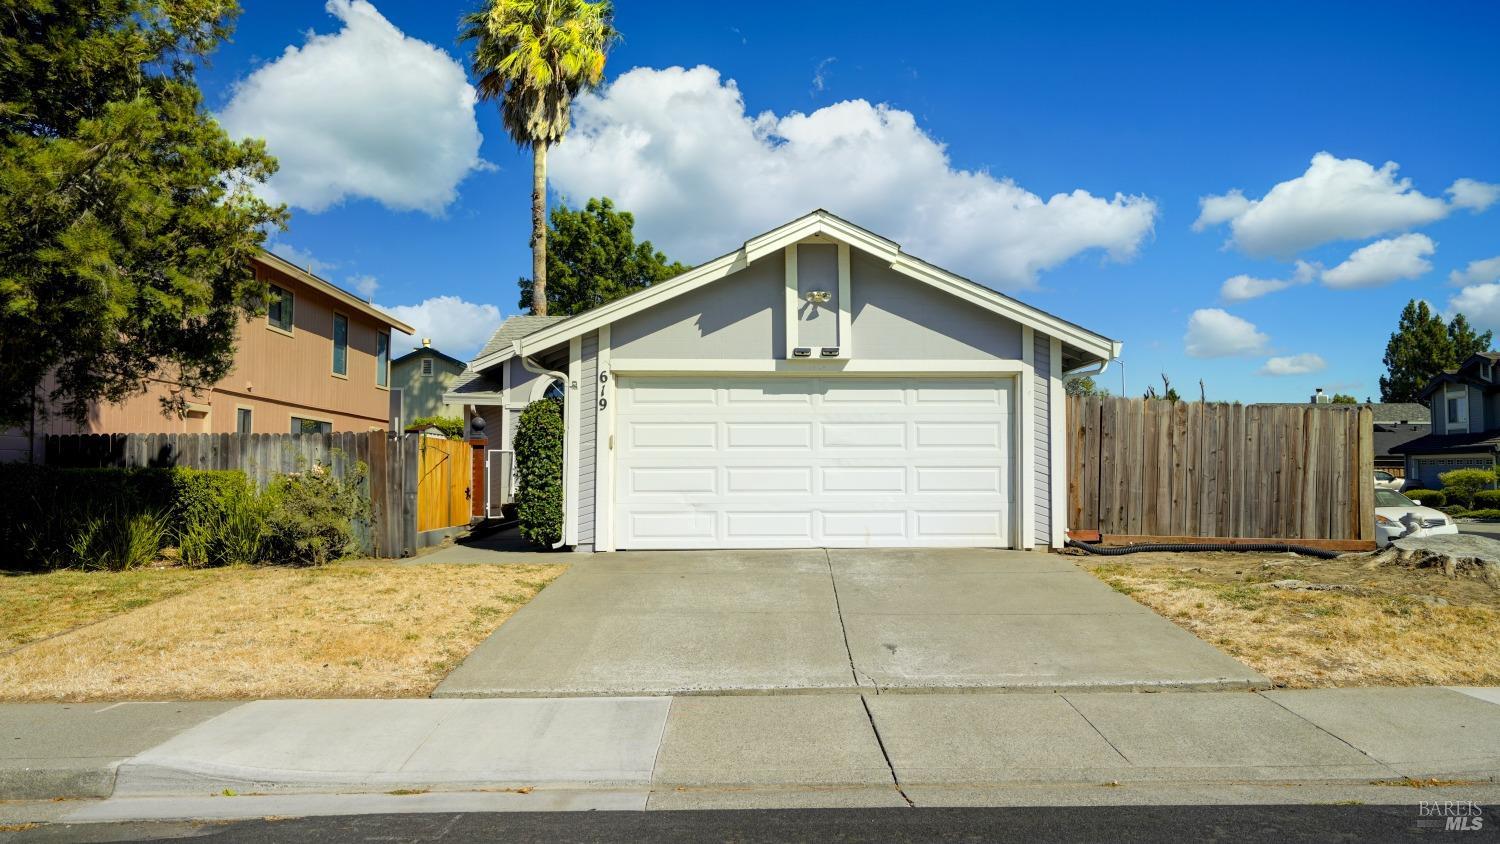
{"x": 361, "y": 630}
{"x": 1308, "y": 623}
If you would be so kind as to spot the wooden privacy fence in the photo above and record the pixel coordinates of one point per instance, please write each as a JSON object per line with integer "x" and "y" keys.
{"x": 393, "y": 483}
{"x": 1140, "y": 467}
{"x": 445, "y": 475}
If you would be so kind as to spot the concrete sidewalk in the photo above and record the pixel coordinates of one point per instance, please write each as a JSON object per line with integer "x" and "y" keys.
{"x": 808, "y": 750}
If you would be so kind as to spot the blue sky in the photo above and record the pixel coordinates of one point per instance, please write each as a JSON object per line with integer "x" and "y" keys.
{"x": 952, "y": 137}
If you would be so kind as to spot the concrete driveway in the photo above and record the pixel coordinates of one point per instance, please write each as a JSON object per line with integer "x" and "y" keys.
{"x": 687, "y": 622}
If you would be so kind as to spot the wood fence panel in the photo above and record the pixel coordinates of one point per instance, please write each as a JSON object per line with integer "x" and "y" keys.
{"x": 1187, "y": 469}
{"x": 390, "y": 481}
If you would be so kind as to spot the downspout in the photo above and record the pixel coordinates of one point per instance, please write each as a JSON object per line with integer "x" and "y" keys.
{"x": 537, "y": 369}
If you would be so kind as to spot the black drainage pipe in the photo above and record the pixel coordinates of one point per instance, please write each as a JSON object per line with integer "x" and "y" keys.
{"x": 1119, "y": 550}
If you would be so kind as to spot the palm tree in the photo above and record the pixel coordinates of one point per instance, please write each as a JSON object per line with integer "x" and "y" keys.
{"x": 535, "y": 56}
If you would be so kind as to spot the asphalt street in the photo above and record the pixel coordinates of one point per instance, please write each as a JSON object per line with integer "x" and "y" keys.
{"x": 1282, "y": 824}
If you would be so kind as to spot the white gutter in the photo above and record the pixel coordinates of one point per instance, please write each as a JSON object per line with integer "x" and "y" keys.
{"x": 537, "y": 369}
{"x": 1114, "y": 352}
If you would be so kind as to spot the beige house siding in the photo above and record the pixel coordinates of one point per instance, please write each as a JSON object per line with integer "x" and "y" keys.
{"x": 277, "y": 375}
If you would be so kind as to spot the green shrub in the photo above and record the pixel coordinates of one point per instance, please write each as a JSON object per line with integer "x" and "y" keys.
{"x": 1461, "y": 485}
{"x": 1428, "y": 497}
{"x": 49, "y": 514}
{"x": 119, "y": 539}
{"x": 310, "y": 516}
{"x": 538, "y": 445}
{"x": 1487, "y": 499}
{"x": 451, "y": 426}
{"x": 234, "y": 531}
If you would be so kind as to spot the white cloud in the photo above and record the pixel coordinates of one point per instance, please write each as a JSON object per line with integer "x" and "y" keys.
{"x": 1336, "y": 199}
{"x": 1478, "y": 272}
{"x": 1480, "y": 303}
{"x": 1473, "y": 195}
{"x": 1216, "y": 333}
{"x": 1383, "y": 262}
{"x": 1242, "y": 288}
{"x": 456, "y": 327}
{"x": 821, "y": 73}
{"x": 676, "y": 148}
{"x": 365, "y": 112}
{"x": 364, "y": 285}
{"x": 1213, "y": 210}
{"x": 1303, "y": 364}
{"x": 300, "y": 257}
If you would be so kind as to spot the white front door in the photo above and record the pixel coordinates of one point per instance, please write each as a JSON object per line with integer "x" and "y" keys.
{"x": 837, "y": 461}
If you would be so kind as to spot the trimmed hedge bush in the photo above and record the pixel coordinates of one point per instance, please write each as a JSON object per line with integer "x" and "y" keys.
{"x": 538, "y": 445}
{"x": 451, "y": 426}
{"x": 1428, "y": 497}
{"x": 1461, "y": 485}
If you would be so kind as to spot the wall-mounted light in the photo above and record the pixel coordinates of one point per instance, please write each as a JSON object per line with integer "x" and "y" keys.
{"x": 818, "y": 297}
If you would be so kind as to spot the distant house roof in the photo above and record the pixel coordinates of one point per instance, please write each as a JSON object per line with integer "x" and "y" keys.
{"x": 1383, "y": 413}
{"x": 472, "y": 385}
{"x": 1389, "y": 436}
{"x": 1400, "y": 412}
{"x": 1439, "y": 443}
{"x": 1457, "y": 378}
{"x": 429, "y": 352}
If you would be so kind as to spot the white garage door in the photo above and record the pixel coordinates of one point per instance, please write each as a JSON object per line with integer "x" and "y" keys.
{"x": 778, "y": 462}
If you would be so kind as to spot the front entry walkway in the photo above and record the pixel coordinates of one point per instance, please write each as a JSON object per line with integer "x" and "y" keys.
{"x": 685, "y": 622}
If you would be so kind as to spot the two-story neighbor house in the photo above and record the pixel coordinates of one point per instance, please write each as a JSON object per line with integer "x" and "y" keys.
{"x": 317, "y": 361}
{"x": 1465, "y": 410}
{"x": 419, "y": 379}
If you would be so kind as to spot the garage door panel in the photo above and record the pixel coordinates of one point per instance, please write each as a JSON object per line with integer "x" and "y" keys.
{"x": 843, "y": 435}
{"x": 827, "y": 461}
{"x": 657, "y": 392}
{"x": 778, "y": 435}
{"x": 975, "y": 434}
{"x": 958, "y": 523}
{"x": 792, "y": 391}
{"x": 672, "y": 527}
{"x": 863, "y": 480}
{"x": 670, "y": 436}
{"x": 863, "y": 527}
{"x": 933, "y": 479}
{"x": 756, "y": 480}
{"x": 795, "y": 526}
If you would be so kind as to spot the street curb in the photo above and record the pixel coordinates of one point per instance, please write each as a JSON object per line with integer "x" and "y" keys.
{"x": 49, "y": 783}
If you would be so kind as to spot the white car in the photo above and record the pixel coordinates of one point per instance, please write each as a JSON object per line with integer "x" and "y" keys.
{"x": 1385, "y": 480}
{"x": 1397, "y": 516}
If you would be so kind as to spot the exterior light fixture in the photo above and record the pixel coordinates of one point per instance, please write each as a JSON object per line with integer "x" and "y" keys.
{"x": 818, "y": 297}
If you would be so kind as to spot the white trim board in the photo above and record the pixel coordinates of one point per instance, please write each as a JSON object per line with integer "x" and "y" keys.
{"x": 865, "y": 366}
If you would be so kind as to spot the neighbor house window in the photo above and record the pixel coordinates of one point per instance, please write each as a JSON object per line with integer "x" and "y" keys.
{"x": 243, "y": 422}
{"x": 279, "y": 308}
{"x": 340, "y": 344}
{"x": 1457, "y": 406}
{"x": 383, "y": 359}
{"x": 310, "y": 426}
{"x": 427, "y": 367}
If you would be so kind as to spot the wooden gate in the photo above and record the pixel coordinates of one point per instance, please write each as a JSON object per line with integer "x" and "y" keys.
{"x": 443, "y": 485}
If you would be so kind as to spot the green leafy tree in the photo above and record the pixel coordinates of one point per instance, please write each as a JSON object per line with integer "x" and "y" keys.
{"x": 592, "y": 258}
{"x": 1420, "y": 349}
{"x": 1082, "y": 385}
{"x": 1466, "y": 342}
{"x": 1344, "y": 398}
{"x": 127, "y": 217}
{"x": 535, "y": 56}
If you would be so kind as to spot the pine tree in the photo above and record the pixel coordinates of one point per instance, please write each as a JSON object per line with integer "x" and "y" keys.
{"x": 1465, "y": 341}
{"x": 1420, "y": 349}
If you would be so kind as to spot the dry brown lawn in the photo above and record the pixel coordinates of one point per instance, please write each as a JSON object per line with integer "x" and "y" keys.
{"x": 343, "y": 630}
{"x": 1392, "y": 625}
